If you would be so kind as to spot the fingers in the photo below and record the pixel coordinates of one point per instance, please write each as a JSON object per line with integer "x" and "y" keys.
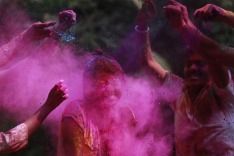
{"x": 171, "y": 10}
{"x": 173, "y": 2}
{"x": 175, "y": 15}
{"x": 67, "y": 15}
{"x": 148, "y": 5}
{"x": 60, "y": 90}
{"x": 44, "y": 25}
{"x": 67, "y": 19}
{"x": 57, "y": 95}
{"x": 47, "y": 32}
{"x": 208, "y": 12}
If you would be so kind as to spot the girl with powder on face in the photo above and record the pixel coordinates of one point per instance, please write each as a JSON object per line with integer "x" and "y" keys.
{"x": 96, "y": 124}
{"x": 17, "y": 138}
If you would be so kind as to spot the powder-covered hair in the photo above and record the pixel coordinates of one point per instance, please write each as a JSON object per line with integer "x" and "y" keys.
{"x": 98, "y": 63}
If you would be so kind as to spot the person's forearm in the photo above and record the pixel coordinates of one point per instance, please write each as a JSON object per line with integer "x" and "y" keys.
{"x": 208, "y": 48}
{"x": 151, "y": 63}
{"x": 202, "y": 44}
{"x": 49, "y": 45}
{"x": 37, "y": 118}
{"x": 13, "y": 48}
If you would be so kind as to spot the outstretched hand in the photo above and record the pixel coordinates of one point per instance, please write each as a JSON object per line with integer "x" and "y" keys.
{"x": 210, "y": 12}
{"x": 146, "y": 13}
{"x": 67, "y": 18}
{"x": 57, "y": 95}
{"x": 38, "y": 31}
{"x": 177, "y": 14}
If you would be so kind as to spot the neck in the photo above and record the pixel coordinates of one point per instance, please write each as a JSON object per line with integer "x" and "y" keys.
{"x": 193, "y": 91}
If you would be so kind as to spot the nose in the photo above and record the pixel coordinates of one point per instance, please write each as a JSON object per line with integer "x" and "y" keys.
{"x": 193, "y": 67}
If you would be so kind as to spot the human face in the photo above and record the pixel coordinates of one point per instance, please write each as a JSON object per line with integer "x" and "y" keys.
{"x": 104, "y": 91}
{"x": 196, "y": 71}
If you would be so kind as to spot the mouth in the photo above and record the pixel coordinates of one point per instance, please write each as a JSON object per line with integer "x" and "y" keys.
{"x": 194, "y": 76}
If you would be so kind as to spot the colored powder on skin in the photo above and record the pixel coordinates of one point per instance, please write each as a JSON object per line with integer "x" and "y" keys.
{"x": 25, "y": 87}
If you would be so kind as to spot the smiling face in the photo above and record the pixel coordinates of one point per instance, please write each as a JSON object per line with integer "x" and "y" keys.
{"x": 196, "y": 71}
{"x": 103, "y": 92}
{"x": 103, "y": 79}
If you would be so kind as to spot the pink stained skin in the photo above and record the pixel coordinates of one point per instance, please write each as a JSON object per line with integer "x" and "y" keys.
{"x": 178, "y": 16}
{"x": 210, "y": 12}
{"x": 38, "y": 31}
{"x": 12, "y": 49}
{"x": 196, "y": 71}
{"x": 146, "y": 13}
{"x": 110, "y": 122}
{"x": 199, "y": 72}
{"x": 56, "y": 96}
{"x": 214, "y": 13}
{"x": 67, "y": 18}
{"x": 34, "y": 79}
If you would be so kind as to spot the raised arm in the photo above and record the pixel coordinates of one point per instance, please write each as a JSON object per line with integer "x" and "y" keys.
{"x": 145, "y": 14}
{"x": 17, "y": 138}
{"x": 15, "y": 47}
{"x": 67, "y": 19}
{"x": 212, "y": 12}
{"x": 56, "y": 96}
{"x": 178, "y": 16}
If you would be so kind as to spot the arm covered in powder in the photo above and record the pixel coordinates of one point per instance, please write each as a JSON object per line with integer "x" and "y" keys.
{"x": 208, "y": 49}
{"x": 15, "y": 48}
{"x": 17, "y": 138}
{"x": 145, "y": 14}
{"x": 214, "y": 13}
{"x": 67, "y": 19}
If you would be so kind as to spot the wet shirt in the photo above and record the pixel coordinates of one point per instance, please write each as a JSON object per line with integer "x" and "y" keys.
{"x": 15, "y": 139}
{"x": 204, "y": 127}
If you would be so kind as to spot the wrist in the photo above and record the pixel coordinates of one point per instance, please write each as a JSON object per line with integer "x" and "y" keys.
{"x": 141, "y": 30}
{"x": 48, "y": 107}
{"x": 57, "y": 34}
{"x": 24, "y": 37}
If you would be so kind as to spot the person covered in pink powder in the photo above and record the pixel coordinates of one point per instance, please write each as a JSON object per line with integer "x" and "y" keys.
{"x": 17, "y": 138}
{"x": 17, "y": 47}
{"x": 97, "y": 124}
{"x": 203, "y": 101}
{"x": 207, "y": 47}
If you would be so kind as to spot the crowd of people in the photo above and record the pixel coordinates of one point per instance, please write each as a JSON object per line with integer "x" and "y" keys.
{"x": 96, "y": 124}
